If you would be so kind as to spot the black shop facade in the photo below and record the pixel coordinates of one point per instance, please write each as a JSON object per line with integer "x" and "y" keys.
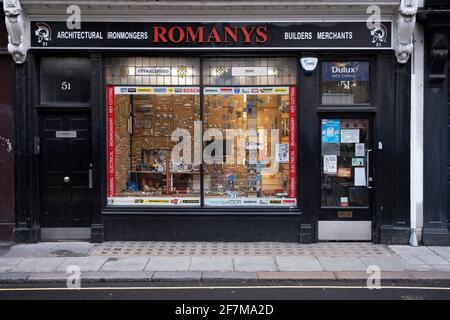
{"x": 201, "y": 131}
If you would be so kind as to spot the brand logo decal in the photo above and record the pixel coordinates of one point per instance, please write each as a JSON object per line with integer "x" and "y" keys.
{"x": 43, "y": 32}
{"x": 379, "y": 34}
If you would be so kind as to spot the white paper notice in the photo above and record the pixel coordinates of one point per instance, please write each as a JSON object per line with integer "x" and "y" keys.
{"x": 359, "y": 149}
{"x": 360, "y": 177}
{"x": 282, "y": 153}
{"x": 350, "y": 136}
{"x": 330, "y": 164}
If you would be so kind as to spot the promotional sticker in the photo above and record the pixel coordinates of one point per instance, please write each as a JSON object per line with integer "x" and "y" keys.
{"x": 357, "y": 162}
{"x": 331, "y": 131}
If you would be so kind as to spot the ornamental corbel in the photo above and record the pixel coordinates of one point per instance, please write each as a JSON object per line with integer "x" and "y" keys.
{"x": 406, "y": 22}
{"x": 15, "y": 25}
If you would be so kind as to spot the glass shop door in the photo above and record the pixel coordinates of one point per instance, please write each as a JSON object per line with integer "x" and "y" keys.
{"x": 347, "y": 166}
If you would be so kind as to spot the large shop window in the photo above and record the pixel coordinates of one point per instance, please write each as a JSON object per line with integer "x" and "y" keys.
{"x": 345, "y": 82}
{"x": 241, "y": 150}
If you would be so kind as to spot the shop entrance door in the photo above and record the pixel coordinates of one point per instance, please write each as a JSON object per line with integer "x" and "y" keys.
{"x": 65, "y": 175}
{"x": 347, "y": 166}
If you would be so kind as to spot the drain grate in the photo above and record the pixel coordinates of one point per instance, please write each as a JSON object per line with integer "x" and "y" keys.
{"x": 240, "y": 249}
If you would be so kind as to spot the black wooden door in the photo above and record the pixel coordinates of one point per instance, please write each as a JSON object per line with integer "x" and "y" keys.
{"x": 65, "y": 170}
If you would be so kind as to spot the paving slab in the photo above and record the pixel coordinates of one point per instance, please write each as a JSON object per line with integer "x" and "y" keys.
{"x": 14, "y": 277}
{"x": 168, "y": 264}
{"x": 50, "y": 249}
{"x": 254, "y": 264}
{"x": 309, "y": 275}
{"x": 442, "y": 251}
{"x": 125, "y": 264}
{"x": 298, "y": 264}
{"x": 433, "y": 259}
{"x": 7, "y": 264}
{"x": 48, "y": 277}
{"x": 358, "y": 275}
{"x": 211, "y": 264}
{"x": 84, "y": 263}
{"x": 430, "y": 275}
{"x": 224, "y": 276}
{"x": 413, "y": 260}
{"x": 117, "y": 276}
{"x": 176, "y": 276}
{"x": 408, "y": 250}
{"x": 386, "y": 264}
{"x": 420, "y": 267}
{"x": 342, "y": 264}
{"x": 38, "y": 265}
{"x": 441, "y": 267}
{"x": 419, "y": 255}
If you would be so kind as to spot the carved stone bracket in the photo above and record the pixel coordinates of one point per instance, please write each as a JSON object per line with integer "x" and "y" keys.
{"x": 406, "y": 22}
{"x": 16, "y": 27}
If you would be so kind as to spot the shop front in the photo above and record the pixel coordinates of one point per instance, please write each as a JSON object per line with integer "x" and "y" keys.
{"x": 6, "y": 139}
{"x": 434, "y": 17}
{"x": 228, "y": 131}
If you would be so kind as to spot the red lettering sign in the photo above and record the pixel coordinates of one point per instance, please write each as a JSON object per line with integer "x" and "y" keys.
{"x": 199, "y": 34}
{"x": 111, "y": 147}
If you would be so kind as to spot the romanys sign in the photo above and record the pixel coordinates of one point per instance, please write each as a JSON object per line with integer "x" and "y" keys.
{"x": 201, "y": 35}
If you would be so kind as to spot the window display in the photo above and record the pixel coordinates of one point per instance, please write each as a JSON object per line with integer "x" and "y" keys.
{"x": 345, "y": 83}
{"x": 142, "y": 127}
{"x": 239, "y": 150}
{"x": 253, "y": 160}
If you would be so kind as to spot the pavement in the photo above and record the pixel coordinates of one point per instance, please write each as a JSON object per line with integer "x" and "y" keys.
{"x": 56, "y": 262}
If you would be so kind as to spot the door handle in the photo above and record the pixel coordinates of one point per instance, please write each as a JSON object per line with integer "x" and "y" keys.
{"x": 368, "y": 177}
{"x": 66, "y": 179}
{"x": 90, "y": 177}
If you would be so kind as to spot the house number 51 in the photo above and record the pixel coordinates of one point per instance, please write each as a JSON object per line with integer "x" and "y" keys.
{"x": 65, "y": 86}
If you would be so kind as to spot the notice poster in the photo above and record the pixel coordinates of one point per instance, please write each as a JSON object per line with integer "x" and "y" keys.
{"x": 282, "y": 153}
{"x": 359, "y": 149}
{"x": 350, "y": 136}
{"x": 360, "y": 177}
{"x": 330, "y": 164}
{"x": 331, "y": 130}
{"x": 111, "y": 148}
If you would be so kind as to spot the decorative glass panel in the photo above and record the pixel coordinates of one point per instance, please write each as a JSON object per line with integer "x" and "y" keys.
{"x": 249, "y": 71}
{"x": 154, "y": 71}
{"x": 65, "y": 80}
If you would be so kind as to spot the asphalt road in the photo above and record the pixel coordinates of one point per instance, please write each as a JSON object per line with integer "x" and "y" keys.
{"x": 183, "y": 291}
